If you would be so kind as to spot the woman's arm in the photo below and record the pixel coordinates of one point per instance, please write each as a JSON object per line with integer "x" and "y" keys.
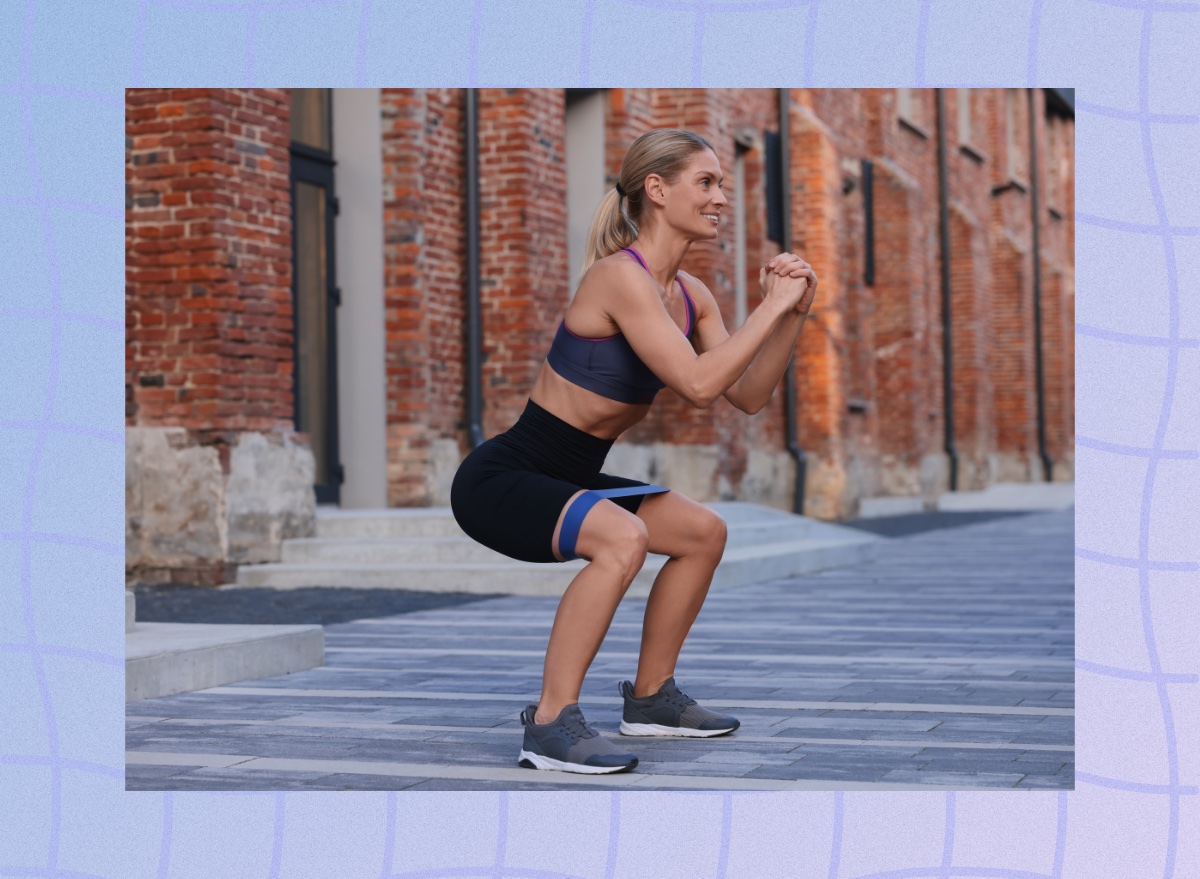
{"x": 752, "y": 391}
{"x": 633, "y": 304}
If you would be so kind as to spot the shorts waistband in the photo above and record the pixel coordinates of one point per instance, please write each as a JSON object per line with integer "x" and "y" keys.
{"x": 551, "y": 445}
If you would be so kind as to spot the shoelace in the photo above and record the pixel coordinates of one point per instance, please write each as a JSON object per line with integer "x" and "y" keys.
{"x": 679, "y": 698}
{"x": 577, "y": 727}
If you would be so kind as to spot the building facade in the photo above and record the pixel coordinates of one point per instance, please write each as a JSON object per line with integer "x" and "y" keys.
{"x": 300, "y": 269}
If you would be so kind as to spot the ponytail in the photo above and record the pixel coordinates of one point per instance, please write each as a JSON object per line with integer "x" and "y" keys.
{"x": 665, "y": 152}
{"x": 611, "y": 230}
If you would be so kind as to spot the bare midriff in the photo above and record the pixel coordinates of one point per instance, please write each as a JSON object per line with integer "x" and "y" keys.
{"x": 584, "y": 409}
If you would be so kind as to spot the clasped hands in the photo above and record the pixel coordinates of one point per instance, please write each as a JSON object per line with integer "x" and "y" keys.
{"x": 790, "y": 278}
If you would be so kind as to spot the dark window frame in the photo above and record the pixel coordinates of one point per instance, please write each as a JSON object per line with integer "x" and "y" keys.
{"x": 316, "y": 167}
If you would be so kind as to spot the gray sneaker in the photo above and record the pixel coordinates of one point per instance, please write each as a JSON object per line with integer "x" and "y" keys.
{"x": 670, "y": 712}
{"x": 570, "y": 745}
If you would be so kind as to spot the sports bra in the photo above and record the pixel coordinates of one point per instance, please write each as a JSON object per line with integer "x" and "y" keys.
{"x": 609, "y": 366}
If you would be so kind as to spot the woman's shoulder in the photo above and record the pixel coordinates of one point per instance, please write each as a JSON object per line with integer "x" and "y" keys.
{"x": 692, "y": 283}
{"x": 618, "y": 269}
{"x": 695, "y": 288}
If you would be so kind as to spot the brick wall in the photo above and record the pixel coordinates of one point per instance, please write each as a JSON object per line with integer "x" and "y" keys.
{"x": 215, "y": 475}
{"x": 424, "y": 267}
{"x": 523, "y": 238}
{"x": 208, "y": 259}
{"x": 209, "y": 274}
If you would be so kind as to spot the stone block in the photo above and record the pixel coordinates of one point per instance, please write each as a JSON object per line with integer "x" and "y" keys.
{"x": 269, "y": 495}
{"x": 193, "y": 506}
{"x": 174, "y": 500}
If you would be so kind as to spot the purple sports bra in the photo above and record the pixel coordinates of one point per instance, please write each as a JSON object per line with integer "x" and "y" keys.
{"x": 609, "y": 366}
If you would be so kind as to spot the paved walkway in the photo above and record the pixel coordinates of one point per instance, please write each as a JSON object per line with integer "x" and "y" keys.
{"x": 948, "y": 662}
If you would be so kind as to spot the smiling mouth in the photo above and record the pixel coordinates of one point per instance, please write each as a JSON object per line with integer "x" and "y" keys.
{"x": 712, "y": 218}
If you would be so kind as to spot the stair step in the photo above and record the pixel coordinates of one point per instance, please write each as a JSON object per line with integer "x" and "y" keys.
{"x": 162, "y": 659}
{"x": 456, "y": 549}
{"x": 422, "y": 522}
{"x": 750, "y": 564}
{"x": 418, "y": 522}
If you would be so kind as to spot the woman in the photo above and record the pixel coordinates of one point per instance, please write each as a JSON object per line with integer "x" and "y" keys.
{"x": 536, "y": 493}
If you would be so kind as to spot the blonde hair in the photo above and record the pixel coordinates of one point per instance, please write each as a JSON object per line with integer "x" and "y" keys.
{"x": 665, "y": 152}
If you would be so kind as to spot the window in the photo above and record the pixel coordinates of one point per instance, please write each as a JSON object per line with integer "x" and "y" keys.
{"x": 968, "y": 143}
{"x": 910, "y": 111}
{"x": 1015, "y": 126}
{"x": 314, "y": 288}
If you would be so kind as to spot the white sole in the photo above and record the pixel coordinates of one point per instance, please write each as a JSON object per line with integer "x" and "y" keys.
{"x": 656, "y": 729}
{"x": 542, "y": 762}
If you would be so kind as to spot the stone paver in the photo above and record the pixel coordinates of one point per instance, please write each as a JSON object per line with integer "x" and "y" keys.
{"x": 950, "y": 653}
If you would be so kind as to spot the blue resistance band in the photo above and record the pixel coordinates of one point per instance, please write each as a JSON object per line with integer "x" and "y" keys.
{"x": 573, "y": 520}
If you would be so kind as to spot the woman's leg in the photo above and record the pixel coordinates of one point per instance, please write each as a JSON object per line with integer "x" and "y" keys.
{"x": 614, "y": 542}
{"x": 694, "y": 538}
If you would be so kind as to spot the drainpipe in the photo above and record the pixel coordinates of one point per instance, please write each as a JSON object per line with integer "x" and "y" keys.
{"x": 789, "y": 387}
{"x": 1047, "y": 464}
{"x": 474, "y": 328}
{"x": 947, "y": 338}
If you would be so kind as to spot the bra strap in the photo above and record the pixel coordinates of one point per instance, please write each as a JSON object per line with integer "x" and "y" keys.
{"x": 638, "y": 257}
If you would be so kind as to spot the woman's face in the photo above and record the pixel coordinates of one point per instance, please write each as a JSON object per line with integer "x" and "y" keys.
{"x": 694, "y": 202}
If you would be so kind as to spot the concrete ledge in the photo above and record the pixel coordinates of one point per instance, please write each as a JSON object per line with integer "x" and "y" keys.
{"x": 1012, "y": 496}
{"x": 162, "y": 659}
{"x": 879, "y": 507}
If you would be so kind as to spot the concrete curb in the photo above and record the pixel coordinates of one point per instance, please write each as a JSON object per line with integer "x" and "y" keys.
{"x": 162, "y": 659}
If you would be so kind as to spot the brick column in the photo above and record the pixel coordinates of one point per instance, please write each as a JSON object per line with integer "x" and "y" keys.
{"x": 821, "y": 372}
{"x": 424, "y": 289}
{"x": 970, "y": 310}
{"x": 523, "y": 207}
{"x": 209, "y": 334}
{"x": 907, "y": 352}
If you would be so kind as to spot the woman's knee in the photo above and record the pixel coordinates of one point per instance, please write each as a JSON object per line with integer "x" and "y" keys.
{"x": 708, "y": 533}
{"x": 616, "y": 539}
{"x": 716, "y": 532}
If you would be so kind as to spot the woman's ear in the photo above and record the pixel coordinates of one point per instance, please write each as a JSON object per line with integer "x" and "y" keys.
{"x": 655, "y": 188}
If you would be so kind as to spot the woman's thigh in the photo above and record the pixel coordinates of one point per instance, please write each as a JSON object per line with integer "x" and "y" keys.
{"x": 679, "y": 526}
{"x": 513, "y": 512}
{"x": 606, "y": 526}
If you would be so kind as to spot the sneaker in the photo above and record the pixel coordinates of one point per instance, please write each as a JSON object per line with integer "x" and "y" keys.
{"x": 670, "y": 712}
{"x": 570, "y": 745}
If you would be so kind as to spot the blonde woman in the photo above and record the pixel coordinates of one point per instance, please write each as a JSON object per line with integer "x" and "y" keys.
{"x": 536, "y": 493}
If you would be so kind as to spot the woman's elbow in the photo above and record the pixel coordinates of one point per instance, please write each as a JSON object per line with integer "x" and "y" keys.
{"x": 751, "y": 407}
{"x": 697, "y": 396}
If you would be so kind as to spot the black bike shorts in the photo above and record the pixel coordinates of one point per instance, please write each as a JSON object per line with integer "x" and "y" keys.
{"x": 510, "y": 491}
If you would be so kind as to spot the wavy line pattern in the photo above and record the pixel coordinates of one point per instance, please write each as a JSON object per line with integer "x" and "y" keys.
{"x": 52, "y": 842}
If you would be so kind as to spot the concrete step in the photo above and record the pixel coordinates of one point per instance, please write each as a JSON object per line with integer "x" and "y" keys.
{"x": 162, "y": 659}
{"x": 424, "y": 549}
{"x": 419, "y": 522}
{"x": 462, "y": 549}
{"x": 748, "y": 564}
{"x": 1012, "y": 496}
{"x": 439, "y": 521}
{"x": 881, "y": 507}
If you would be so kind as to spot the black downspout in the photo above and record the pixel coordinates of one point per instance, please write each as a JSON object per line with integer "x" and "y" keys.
{"x": 947, "y": 338}
{"x": 1047, "y": 464}
{"x": 474, "y": 328}
{"x": 789, "y": 387}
